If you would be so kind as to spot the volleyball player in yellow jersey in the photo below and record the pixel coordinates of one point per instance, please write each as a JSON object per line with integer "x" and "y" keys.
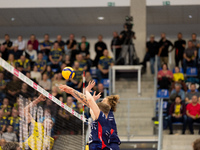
{"x": 37, "y": 138}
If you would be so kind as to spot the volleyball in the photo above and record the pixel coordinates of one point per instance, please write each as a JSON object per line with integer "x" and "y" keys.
{"x": 68, "y": 73}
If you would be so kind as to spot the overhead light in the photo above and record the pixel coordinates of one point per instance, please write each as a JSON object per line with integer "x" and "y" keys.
{"x": 100, "y": 18}
{"x": 12, "y": 19}
{"x": 190, "y": 16}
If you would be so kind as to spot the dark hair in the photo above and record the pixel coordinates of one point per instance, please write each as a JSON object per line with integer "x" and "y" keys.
{"x": 194, "y": 34}
{"x": 11, "y": 146}
{"x": 46, "y": 34}
{"x": 193, "y": 84}
{"x": 196, "y": 144}
{"x": 105, "y": 108}
{"x": 6, "y": 35}
{"x": 180, "y": 33}
{"x": 164, "y": 64}
{"x": 83, "y": 37}
{"x": 177, "y": 97}
{"x": 113, "y": 100}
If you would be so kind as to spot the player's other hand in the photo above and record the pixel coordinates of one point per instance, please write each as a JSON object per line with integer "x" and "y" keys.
{"x": 65, "y": 88}
{"x": 96, "y": 97}
{"x": 91, "y": 84}
{"x": 42, "y": 97}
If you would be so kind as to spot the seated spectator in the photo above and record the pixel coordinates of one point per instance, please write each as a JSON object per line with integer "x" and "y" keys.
{"x": 2, "y": 86}
{"x": 46, "y": 45}
{"x": 11, "y": 146}
{"x": 11, "y": 60}
{"x": 34, "y": 42}
{"x": 76, "y": 82}
{"x": 103, "y": 66}
{"x": 9, "y": 136}
{"x": 16, "y": 52}
{"x": 63, "y": 65}
{"x": 72, "y": 47}
{"x": 88, "y": 78}
{"x": 31, "y": 54}
{"x": 2, "y": 144}
{"x": 6, "y": 108}
{"x": 21, "y": 44}
{"x": 82, "y": 62}
{"x": 23, "y": 61}
{"x": 177, "y": 113}
{"x": 12, "y": 89}
{"x": 60, "y": 42}
{"x": 55, "y": 56}
{"x": 4, "y": 52}
{"x": 116, "y": 45}
{"x": 3, "y": 122}
{"x": 56, "y": 94}
{"x": 193, "y": 91}
{"x": 40, "y": 63}
{"x": 14, "y": 121}
{"x": 79, "y": 107}
{"x": 57, "y": 80}
{"x": 177, "y": 92}
{"x": 16, "y": 105}
{"x": 100, "y": 89}
{"x": 179, "y": 78}
{"x": 193, "y": 113}
{"x": 49, "y": 72}
{"x": 45, "y": 82}
{"x": 67, "y": 60}
{"x": 190, "y": 55}
{"x": 86, "y": 44}
{"x": 35, "y": 74}
{"x": 165, "y": 77}
{"x": 8, "y": 44}
{"x": 51, "y": 106}
{"x": 24, "y": 91}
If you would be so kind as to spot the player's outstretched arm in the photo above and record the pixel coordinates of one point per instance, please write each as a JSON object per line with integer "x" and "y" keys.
{"x": 32, "y": 104}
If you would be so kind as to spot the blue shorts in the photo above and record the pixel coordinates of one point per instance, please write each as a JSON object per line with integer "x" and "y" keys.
{"x": 95, "y": 146}
{"x": 114, "y": 146}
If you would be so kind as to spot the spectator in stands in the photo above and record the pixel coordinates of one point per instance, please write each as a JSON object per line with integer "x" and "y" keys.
{"x": 2, "y": 86}
{"x": 23, "y": 61}
{"x": 100, "y": 89}
{"x": 6, "y": 108}
{"x": 8, "y": 44}
{"x": 86, "y": 44}
{"x": 51, "y": 106}
{"x": 103, "y": 67}
{"x": 45, "y": 46}
{"x": 30, "y": 54}
{"x": 67, "y": 60}
{"x": 179, "y": 46}
{"x": 9, "y": 136}
{"x": 2, "y": 144}
{"x": 24, "y": 91}
{"x": 177, "y": 113}
{"x": 100, "y": 46}
{"x": 4, "y": 52}
{"x": 35, "y": 74}
{"x": 164, "y": 45}
{"x": 190, "y": 55}
{"x": 179, "y": 78}
{"x": 196, "y": 144}
{"x": 11, "y": 60}
{"x": 55, "y": 56}
{"x": 72, "y": 47}
{"x": 82, "y": 62}
{"x": 49, "y": 72}
{"x": 16, "y": 105}
{"x": 45, "y": 82}
{"x": 151, "y": 51}
{"x": 3, "y": 122}
{"x": 116, "y": 45}
{"x": 193, "y": 91}
{"x": 88, "y": 77}
{"x": 21, "y": 44}
{"x": 57, "y": 80}
{"x": 14, "y": 121}
{"x": 40, "y": 63}
{"x": 17, "y": 53}
{"x": 165, "y": 77}
{"x": 55, "y": 93}
{"x": 193, "y": 113}
{"x": 60, "y": 42}
{"x": 195, "y": 42}
{"x": 177, "y": 92}
{"x": 34, "y": 42}
{"x": 12, "y": 89}
{"x": 79, "y": 107}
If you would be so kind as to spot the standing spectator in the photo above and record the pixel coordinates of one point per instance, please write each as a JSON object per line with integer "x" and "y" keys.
{"x": 31, "y": 54}
{"x": 14, "y": 121}
{"x": 83, "y": 51}
{"x": 72, "y": 46}
{"x": 55, "y": 55}
{"x": 193, "y": 113}
{"x": 103, "y": 66}
{"x": 24, "y": 62}
{"x": 40, "y": 63}
{"x": 8, "y": 44}
{"x": 6, "y": 108}
{"x": 164, "y": 48}
{"x": 35, "y": 74}
{"x": 193, "y": 91}
{"x": 151, "y": 51}
{"x": 3, "y": 122}
{"x": 2, "y": 87}
{"x": 165, "y": 77}
{"x": 9, "y": 136}
{"x": 177, "y": 92}
{"x": 60, "y": 42}
{"x": 195, "y": 42}
{"x": 34, "y": 42}
{"x": 190, "y": 55}
{"x": 116, "y": 45}
{"x": 4, "y": 52}
{"x": 100, "y": 46}
{"x": 87, "y": 44}
{"x": 45, "y": 82}
{"x": 46, "y": 45}
{"x": 82, "y": 62}
{"x": 21, "y": 44}
{"x": 179, "y": 46}
{"x": 177, "y": 113}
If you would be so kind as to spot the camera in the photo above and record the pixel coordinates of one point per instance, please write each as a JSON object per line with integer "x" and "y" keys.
{"x": 129, "y": 22}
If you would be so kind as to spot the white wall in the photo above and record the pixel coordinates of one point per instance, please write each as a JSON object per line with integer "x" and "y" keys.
{"x": 173, "y": 2}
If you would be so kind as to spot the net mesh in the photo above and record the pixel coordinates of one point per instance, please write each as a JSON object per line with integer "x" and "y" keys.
{"x": 56, "y": 123}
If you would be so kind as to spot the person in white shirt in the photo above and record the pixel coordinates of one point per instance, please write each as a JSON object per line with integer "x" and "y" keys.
{"x": 9, "y": 136}
{"x": 31, "y": 54}
{"x": 21, "y": 43}
{"x": 35, "y": 74}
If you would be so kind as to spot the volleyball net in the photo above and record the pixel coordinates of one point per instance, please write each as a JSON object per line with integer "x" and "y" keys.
{"x": 56, "y": 123}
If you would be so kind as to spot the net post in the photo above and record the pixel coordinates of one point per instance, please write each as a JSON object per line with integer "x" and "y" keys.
{"x": 83, "y": 143}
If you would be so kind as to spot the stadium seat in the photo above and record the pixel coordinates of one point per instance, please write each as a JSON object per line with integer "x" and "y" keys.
{"x": 163, "y": 93}
{"x": 190, "y": 90}
{"x": 105, "y": 82}
{"x": 164, "y": 106}
{"x": 181, "y": 70}
{"x": 93, "y": 72}
{"x": 191, "y": 71}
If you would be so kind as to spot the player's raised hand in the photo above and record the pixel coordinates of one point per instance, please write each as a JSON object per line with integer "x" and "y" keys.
{"x": 96, "y": 97}
{"x": 65, "y": 88}
{"x": 42, "y": 97}
{"x": 91, "y": 84}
